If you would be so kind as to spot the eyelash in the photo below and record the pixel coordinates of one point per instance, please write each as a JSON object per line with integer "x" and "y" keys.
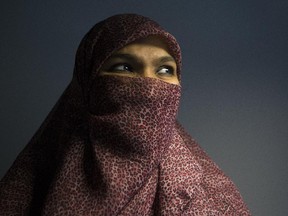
{"x": 169, "y": 70}
{"x": 128, "y": 68}
{"x": 114, "y": 67}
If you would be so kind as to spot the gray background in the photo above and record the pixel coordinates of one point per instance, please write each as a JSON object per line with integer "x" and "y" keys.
{"x": 235, "y": 73}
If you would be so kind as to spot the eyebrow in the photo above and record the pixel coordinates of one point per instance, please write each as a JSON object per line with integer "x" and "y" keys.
{"x": 165, "y": 59}
{"x": 126, "y": 56}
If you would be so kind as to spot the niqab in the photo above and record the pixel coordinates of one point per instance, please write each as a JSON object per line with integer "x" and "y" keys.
{"x": 112, "y": 145}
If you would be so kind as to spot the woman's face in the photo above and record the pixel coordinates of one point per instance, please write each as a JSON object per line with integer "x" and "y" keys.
{"x": 147, "y": 57}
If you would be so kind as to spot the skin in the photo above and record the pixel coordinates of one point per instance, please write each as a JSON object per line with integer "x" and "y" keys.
{"x": 147, "y": 57}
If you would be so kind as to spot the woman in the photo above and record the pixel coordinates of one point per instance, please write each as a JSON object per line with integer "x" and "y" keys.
{"x": 111, "y": 145}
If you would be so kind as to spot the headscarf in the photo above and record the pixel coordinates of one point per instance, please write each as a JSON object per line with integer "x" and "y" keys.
{"x": 112, "y": 145}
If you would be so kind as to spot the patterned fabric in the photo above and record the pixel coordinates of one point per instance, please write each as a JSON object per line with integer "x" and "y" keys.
{"x": 112, "y": 145}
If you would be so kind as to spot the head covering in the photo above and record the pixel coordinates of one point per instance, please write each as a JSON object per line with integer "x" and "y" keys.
{"x": 112, "y": 34}
{"x": 112, "y": 145}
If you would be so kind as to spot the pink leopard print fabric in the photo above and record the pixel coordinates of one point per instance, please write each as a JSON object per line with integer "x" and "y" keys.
{"x": 112, "y": 145}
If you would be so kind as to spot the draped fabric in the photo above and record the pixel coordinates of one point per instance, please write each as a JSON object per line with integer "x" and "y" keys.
{"x": 112, "y": 144}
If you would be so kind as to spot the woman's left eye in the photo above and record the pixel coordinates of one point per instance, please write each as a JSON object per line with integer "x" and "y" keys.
{"x": 166, "y": 71}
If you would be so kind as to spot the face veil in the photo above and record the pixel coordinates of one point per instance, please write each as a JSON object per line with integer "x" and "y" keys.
{"x": 112, "y": 145}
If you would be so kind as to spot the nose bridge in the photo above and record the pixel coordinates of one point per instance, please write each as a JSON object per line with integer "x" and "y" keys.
{"x": 148, "y": 71}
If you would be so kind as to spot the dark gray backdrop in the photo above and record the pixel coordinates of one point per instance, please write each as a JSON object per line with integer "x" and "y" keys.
{"x": 235, "y": 73}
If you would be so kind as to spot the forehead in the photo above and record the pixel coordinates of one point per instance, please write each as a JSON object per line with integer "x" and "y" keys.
{"x": 144, "y": 45}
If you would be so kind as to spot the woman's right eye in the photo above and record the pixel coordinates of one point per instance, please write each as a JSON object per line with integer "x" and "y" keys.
{"x": 121, "y": 68}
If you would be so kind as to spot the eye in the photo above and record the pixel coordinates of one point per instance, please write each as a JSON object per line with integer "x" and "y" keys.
{"x": 121, "y": 67}
{"x": 166, "y": 71}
